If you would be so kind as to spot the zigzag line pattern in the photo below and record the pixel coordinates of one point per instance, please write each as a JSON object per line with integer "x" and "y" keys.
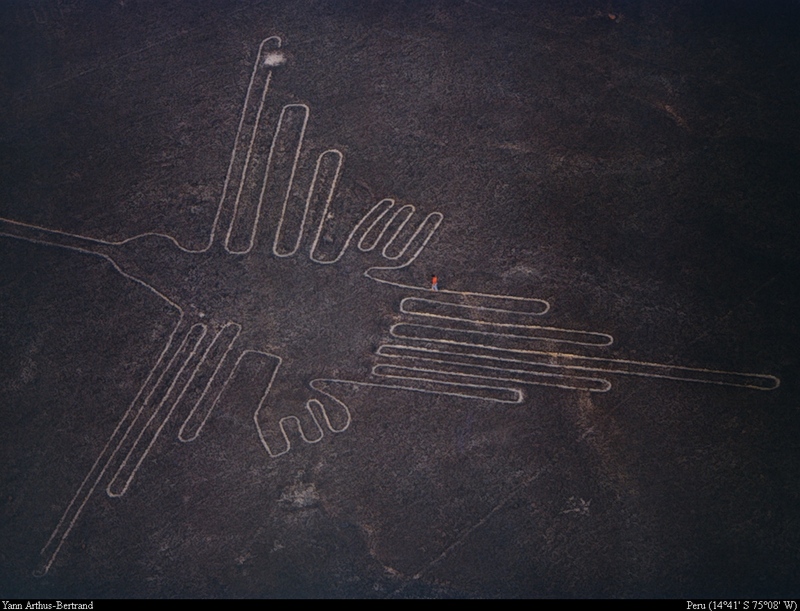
{"x": 455, "y": 343}
{"x": 443, "y": 341}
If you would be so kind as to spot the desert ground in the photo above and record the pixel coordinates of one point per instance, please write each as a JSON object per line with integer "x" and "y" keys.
{"x": 224, "y": 372}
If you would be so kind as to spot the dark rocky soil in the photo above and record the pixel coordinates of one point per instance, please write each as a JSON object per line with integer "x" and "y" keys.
{"x": 636, "y": 164}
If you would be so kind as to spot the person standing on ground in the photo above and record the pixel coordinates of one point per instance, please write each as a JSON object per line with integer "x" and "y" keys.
{"x": 434, "y": 283}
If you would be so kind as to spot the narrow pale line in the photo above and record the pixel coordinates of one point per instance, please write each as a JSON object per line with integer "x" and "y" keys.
{"x": 408, "y": 211}
{"x": 282, "y": 423}
{"x": 222, "y": 336}
{"x": 117, "y": 59}
{"x": 328, "y": 199}
{"x": 260, "y": 201}
{"x": 407, "y": 307}
{"x": 592, "y": 364}
{"x": 466, "y": 533}
{"x": 258, "y": 64}
{"x": 389, "y": 205}
{"x": 245, "y": 171}
{"x": 115, "y": 491}
{"x": 473, "y": 362}
{"x": 82, "y": 495}
{"x": 538, "y": 334}
{"x": 90, "y": 245}
{"x": 371, "y": 274}
{"x": 298, "y": 148}
{"x": 537, "y": 378}
{"x": 243, "y": 154}
{"x": 516, "y": 394}
{"x": 342, "y": 406}
{"x": 350, "y": 237}
{"x": 603, "y": 339}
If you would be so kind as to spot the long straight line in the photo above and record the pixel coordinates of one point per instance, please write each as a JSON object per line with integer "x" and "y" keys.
{"x": 466, "y": 533}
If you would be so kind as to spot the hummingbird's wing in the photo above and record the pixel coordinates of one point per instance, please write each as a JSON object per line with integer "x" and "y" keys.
{"x": 188, "y": 377}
